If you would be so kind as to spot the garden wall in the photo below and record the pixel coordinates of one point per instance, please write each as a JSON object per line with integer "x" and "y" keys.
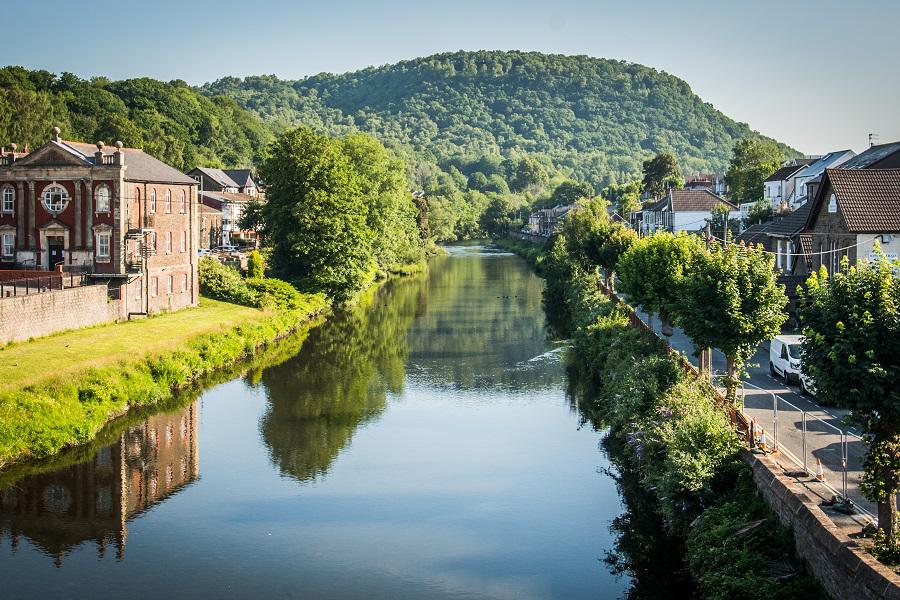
{"x": 38, "y": 314}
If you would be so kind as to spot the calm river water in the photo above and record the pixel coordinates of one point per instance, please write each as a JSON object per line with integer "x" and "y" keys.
{"x": 422, "y": 446}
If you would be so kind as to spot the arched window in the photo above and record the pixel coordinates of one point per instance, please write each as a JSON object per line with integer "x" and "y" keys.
{"x": 183, "y": 202}
{"x": 55, "y": 198}
{"x": 168, "y": 201}
{"x": 102, "y": 197}
{"x": 153, "y": 201}
{"x": 9, "y": 199}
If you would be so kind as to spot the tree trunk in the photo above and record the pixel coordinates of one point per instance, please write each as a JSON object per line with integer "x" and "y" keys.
{"x": 731, "y": 379}
{"x": 887, "y": 517}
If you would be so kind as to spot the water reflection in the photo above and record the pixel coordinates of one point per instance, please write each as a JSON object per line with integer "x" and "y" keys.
{"x": 93, "y": 500}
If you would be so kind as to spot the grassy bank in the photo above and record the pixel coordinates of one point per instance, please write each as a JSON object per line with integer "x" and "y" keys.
{"x": 668, "y": 431}
{"x": 61, "y": 390}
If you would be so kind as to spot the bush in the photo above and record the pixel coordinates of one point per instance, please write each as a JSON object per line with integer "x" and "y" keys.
{"x": 276, "y": 294}
{"x": 220, "y": 282}
{"x": 255, "y": 265}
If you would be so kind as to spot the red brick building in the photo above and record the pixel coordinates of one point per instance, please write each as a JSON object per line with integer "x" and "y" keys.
{"x": 117, "y": 214}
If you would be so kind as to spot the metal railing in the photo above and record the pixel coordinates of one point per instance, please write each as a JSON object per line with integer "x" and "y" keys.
{"x": 40, "y": 284}
{"x": 827, "y": 453}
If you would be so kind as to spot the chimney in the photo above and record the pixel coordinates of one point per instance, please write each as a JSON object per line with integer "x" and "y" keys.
{"x": 98, "y": 155}
{"x": 56, "y": 132}
{"x": 120, "y": 156}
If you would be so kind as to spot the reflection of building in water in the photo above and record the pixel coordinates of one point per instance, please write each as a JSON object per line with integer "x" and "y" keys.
{"x": 94, "y": 500}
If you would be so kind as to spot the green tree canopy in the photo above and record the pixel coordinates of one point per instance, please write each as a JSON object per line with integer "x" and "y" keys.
{"x": 659, "y": 170}
{"x": 753, "y": 161}
{"x": 852, "y": 350}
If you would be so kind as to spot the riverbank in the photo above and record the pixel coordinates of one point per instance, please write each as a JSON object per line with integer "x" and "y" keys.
{"x": 60, "y": 391}
{"x": 670, "y": 432}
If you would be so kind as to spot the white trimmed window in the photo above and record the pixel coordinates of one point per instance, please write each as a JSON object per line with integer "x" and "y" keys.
{"x": 103, "y": 239}
{"x": 153, "y": 201}
{"x": 154, "y": 287}
{"x": 171, "y": 285}
{"x": 183, "y": 202}
{"x": 168, "y": 242}
{"x": 9, "y": 199}
{"x": 102, "y": 197}
{"x": 168, "y": 201}
{"x": 184, "y": 282}
{"x": 55, "y": 198}
{"x": 8, "y": 245}
{"x": 183, "y": 241}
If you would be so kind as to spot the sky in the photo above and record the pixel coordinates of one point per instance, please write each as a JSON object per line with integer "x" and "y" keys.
{"x": 819, "y": 75}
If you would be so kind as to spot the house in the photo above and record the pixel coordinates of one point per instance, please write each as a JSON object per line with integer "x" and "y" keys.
{"x": 232, "y": 181}
{"x": 883, "y": 156}
{"x": 714, "y": 182}
{"x": 543, "y": 222}
{"x": 684, "y": 210}
{"x": 116, "y": 214}
{"x": 231, "y": 207}
{"x": 852, "y": 211}
{"x": 779, "y": 186}
{"x": 798, "y": 193}
{"x": 210, "y": 226}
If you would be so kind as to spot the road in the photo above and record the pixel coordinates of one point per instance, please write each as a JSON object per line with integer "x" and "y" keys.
{"x": 823, "y": 424}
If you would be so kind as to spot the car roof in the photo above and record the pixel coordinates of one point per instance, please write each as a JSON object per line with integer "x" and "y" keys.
{"x": 789, "y": 339}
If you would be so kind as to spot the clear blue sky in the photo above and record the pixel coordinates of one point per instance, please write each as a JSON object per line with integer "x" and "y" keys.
{"x": 817, "y": 74}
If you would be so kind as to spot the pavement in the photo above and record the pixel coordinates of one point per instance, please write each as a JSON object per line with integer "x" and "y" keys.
{"x": 825, "y": 431}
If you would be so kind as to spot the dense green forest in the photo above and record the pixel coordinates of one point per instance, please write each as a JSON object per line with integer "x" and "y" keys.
{"x": 594, "y": 120}
{"x": 171, "y": 121}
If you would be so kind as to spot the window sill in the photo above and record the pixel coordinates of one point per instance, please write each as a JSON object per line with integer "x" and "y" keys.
{"x": 105, "y": 260}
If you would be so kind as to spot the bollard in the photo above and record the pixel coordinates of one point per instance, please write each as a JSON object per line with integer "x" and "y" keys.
{"x": 820, "y": 472}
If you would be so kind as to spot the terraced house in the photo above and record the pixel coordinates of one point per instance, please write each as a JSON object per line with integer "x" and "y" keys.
{"x": 115, "y": 214}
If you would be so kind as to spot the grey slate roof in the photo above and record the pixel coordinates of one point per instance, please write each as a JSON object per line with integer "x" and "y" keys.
{"x": 242, "y": 177}
{"x": 218, "y": 175}
{"x": 784, "y": 173}
{"x": 832, "y": 159}
{"x": 755, "y": 234}
{"x": 140, "y": 166}
{"x": 791, "y": 223}
{"x": 869, "y": 157}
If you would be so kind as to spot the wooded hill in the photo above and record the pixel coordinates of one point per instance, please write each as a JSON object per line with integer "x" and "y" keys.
{"x": 594, "y": 119}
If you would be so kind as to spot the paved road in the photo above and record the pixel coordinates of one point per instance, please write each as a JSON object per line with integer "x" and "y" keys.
{"x": 823, "y": 424}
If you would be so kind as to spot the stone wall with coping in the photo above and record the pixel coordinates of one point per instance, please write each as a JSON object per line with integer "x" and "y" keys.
{"x": 36, "y": 315}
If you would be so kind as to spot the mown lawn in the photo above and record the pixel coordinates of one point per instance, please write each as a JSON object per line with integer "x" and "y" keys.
{"x": 71, "y": 352}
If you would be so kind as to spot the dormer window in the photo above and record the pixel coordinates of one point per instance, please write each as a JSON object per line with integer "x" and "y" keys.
{"x": 832, "y": 203}
{"x": 55, "y": 199}
{"x": 102, "y": 197}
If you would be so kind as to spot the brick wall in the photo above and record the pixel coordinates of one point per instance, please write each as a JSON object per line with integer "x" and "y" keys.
{"x": 843, "y": 568}
{"x": 36, "y": 315}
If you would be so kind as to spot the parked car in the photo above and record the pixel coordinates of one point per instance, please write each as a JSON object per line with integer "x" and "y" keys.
{"x": 203, "y": 252}
{"x": 784, "y": 357}
{"x": 229, "y": 248}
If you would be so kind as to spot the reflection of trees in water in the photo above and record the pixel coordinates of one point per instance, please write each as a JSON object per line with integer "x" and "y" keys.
{"x": 338, "y": 381}
{"x": 643, "y": 550}
{"x": 484, "y": 318}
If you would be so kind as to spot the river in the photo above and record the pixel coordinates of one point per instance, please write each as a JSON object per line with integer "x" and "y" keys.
{"x": 421, "y": 445}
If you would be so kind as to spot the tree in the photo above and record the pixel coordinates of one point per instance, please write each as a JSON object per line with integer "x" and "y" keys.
{"x": 852, "y": 350}
{"x": 255, "y": 265}
{"x": 499, "y": 217}
{"x": 652, "y": 269}
{"x": 315, "y": 216}
{"x": 730, "y": 300}
{"x": 753, "y": 161}
{"x": 657, "y": 171}
{"x": 528, "y": 174}
{"x": 625, "y": 197}
{"x": 570, "y": 192}
{"x": 617, "y": 243}
{"x": 585, "y": 230}
{"x": 760, "y": 212}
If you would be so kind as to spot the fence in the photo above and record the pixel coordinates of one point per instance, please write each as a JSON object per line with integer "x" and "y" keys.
{"x": 53, "y": 280}
{"x": 822, "y": 449}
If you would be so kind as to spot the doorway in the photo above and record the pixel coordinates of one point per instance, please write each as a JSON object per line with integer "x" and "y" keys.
{"x": 55, "y": 251}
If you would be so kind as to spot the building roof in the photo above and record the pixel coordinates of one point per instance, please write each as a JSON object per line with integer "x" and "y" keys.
{"x": 871, "y": 156}
{"x": 789, "y": 224}
{"x": 139, "y": 166}
{"x": 869, "y": 199}
{"x": 695, "y": 201}
{"x": 784, "y": 173}
{"x": 755, "y": 234}
{"x": 217, "y": 175}
{"x": 227, "y": 196}
{"x": 242, "y": 177}
{"x": 205, "y": 208}
{"x": 832, "y": 159}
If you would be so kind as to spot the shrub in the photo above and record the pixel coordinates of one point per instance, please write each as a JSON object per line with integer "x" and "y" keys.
{"x": 255, "y": 265}
{"x": 220, "y": 282}
{"x": 276, "y": 294}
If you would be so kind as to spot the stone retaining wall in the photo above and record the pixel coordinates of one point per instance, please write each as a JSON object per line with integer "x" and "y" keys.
{"x": 36, "y": 315}
{"x": 843, "y": 568}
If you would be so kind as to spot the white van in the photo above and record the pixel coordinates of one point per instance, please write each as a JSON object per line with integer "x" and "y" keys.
{"x": 784, "y": 357}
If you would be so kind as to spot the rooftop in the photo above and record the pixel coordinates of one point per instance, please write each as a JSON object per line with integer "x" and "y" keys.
{"x": 873, "y": 155}
{"x": 869, "y": 199}
{"x": 696, "y": 201}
